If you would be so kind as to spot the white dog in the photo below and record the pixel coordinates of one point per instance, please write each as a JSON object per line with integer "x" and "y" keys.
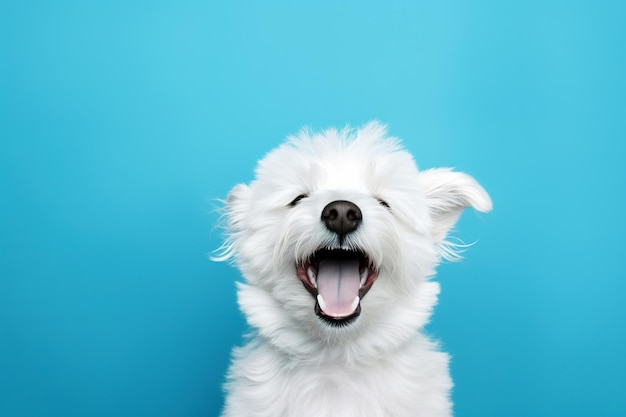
{"x": 336, "y": 238}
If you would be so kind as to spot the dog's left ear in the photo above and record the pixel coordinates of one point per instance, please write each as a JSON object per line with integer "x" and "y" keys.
{"x": 447, "y": 194}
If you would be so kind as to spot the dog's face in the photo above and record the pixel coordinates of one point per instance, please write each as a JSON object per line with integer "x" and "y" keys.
{"x": 337, "y": 235}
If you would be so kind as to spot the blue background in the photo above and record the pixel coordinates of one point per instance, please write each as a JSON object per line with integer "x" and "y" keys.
{"x": 122, "y": 122}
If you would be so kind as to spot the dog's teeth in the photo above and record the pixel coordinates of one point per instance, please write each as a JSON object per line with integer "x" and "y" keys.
{"x": 311, "y": 274}
{"x": 363, "y": 276}
{"x": 355, "y": 303}
{"x": 321, "y": 302}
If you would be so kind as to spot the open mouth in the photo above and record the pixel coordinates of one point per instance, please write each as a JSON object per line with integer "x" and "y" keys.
{"x": 338, "y": 280}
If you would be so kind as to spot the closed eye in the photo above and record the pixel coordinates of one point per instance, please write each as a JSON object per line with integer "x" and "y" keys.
{"x": 384, "y": 203}
{"x": 297, "y": 199}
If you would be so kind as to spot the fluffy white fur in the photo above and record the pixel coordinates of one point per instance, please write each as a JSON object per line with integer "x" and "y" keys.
{"x": 297, "y": 365}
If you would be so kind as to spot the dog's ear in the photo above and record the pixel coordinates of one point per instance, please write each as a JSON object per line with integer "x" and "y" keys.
{"x": 447, "y": 194}
{"x": 239, "y": 192}
{"x": 236, "y": 206}
{"x": 233, "y": 214}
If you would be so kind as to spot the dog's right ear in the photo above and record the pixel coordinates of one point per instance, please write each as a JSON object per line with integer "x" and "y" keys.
{"x": 238, "y": 193}
{"x": 235, "y": 206}
{"x": 233, "y": 215}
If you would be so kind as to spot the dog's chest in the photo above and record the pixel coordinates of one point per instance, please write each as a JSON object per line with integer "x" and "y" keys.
{"x": 399, "y": 385}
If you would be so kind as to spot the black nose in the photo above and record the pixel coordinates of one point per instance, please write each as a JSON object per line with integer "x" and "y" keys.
{"x": 342, "y": 217}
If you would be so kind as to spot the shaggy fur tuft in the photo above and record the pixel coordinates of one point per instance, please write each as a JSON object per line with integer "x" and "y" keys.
{"x": 327, "y": 210}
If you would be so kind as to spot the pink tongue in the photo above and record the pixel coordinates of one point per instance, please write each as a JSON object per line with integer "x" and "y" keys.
{"x": 338, "y": 283}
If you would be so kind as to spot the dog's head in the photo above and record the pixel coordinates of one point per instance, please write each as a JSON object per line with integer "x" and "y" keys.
{"x": 337, "y": 235}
